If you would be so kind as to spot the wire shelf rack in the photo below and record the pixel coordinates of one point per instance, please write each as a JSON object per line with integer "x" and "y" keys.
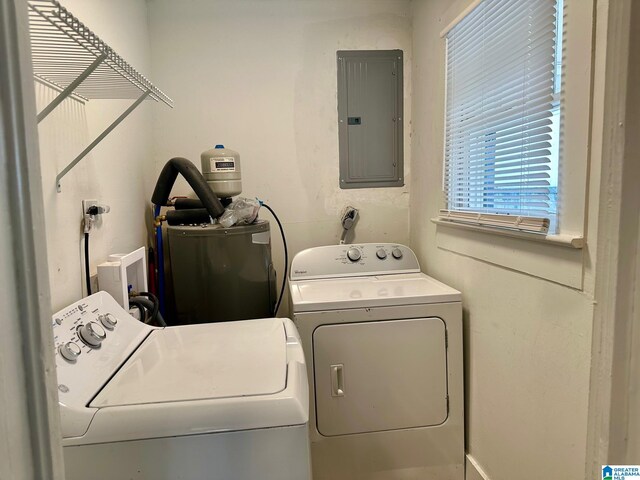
{"x": 63, "y": 48}
{"x": 70, "y": 58}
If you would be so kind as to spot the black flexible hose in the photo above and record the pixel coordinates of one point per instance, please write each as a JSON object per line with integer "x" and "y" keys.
{"x": 87, "y": 272}
{"x": 151, "y": 305}
{"x": 144, "y": 313}
{"x": 187, "y": 203}
{"x": 193, "y": 216}
{"x": 286, "y": 258}
{"x": 155, "y": 302}
{"x": 195, "y": 179}
{"x": 141, "y": 309}
{"x": 191, "y": 203}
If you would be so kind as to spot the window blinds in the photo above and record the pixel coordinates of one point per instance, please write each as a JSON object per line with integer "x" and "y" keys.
{"x": 500, "y": 85}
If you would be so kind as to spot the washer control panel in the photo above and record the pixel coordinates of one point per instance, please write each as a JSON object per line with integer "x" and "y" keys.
{"x": 353, "y": 260}
{"x": 92, "y": 338}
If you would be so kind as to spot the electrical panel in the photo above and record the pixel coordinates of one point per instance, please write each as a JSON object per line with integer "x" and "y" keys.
{"x": 370, "y": 118}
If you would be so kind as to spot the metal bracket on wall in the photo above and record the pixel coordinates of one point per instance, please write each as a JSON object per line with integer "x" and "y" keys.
{"x": 99, "y": 138}
{"x": 69, "y": 90}
{"x": 74, "y": 61}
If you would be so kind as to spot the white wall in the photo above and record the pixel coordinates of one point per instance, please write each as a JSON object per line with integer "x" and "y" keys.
{"x": 260, "y": 77}
{"x": 118, "y": 172}
{"x": 527, "y": 340}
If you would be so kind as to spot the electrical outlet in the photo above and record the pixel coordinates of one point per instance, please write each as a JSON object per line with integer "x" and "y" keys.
{"x": 88, "y": 203}
{"x": 87, "y": 222}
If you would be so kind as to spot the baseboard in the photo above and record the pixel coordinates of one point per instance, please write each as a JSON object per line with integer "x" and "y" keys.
{"x": 473, "y": 471}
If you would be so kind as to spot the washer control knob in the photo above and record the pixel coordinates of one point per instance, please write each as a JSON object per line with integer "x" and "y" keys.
{"x": 69, "y": 351}
{"x": 397, "y": 253}
{"x": 108, "y": 321}
{"x": 353, "y": 254}
{"x": 92, "y": 334}
{"x": 381, "y": 254}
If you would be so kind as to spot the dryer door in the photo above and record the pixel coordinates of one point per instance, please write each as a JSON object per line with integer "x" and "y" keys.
{"x": 376, "y": 376}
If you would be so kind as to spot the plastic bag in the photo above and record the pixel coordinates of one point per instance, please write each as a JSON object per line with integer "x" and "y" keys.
{"x": 242, "y": 211}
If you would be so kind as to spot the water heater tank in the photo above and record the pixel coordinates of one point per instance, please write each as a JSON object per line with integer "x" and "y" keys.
{"x": 221, "y": 169}
{"x": 221, "y": 274}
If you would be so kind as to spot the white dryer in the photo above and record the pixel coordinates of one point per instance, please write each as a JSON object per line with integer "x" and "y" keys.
{"x": 211, "y": 401}
{"x": 383, "y": 344}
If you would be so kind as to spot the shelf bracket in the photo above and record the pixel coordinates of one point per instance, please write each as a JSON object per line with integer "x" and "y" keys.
{"x": 70, "y": 89}
{"x": 99, "y": 138}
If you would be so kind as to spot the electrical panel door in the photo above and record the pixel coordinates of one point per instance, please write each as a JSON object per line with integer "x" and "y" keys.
{"x": 376, "y": 376}
{"x": 370, "y": 96}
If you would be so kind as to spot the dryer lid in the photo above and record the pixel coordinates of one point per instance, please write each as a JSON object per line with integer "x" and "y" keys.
{"x": 205, "y": 361}
{"x": 370, "y": 291}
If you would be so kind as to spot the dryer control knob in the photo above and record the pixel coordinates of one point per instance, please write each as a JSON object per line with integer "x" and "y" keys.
{"x": 353, "y": 254}
{"x": 92, "y": 334}
{"x": 69, "y": 351}
{"x": 108, "y": 321}
{"x": 381, "y": 254}
{"x": 397, "y": 253}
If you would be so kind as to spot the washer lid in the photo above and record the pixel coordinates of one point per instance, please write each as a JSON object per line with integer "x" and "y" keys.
{"x": 205, "y": 361}
{"x": 373, "y": 291}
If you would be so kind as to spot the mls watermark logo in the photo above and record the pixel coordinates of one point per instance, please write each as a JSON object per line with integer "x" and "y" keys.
{"x": 621, "y": 472}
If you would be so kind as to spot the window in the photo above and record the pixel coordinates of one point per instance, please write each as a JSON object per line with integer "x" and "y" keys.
{"x": 502, "y": 128}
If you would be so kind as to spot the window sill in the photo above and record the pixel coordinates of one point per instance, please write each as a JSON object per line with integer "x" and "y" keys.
{"x": 569, "y": 241}
{"x": 558, "y": 259}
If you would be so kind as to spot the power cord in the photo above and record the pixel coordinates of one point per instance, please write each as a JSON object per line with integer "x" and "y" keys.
{"x": 87, "y": 224}
{"x": 286, "y": 256}
{"x": 87, "y": 273}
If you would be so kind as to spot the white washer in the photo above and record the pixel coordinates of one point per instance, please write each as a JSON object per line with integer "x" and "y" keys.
{"x": 384, "y": 358}
{"x": 217, "y": 401}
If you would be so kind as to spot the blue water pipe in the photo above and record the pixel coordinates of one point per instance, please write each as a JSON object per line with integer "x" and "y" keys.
{"x": 160, "y": 264}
